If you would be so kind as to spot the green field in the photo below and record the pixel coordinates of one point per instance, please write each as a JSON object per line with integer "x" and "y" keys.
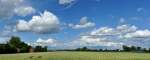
{"x": 77, "y": 56}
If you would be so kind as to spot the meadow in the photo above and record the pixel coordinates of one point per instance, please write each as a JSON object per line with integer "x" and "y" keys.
{"x": 76, "y": 56}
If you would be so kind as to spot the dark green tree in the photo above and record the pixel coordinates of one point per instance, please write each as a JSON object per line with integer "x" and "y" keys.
{"x": 138, "y": 48}
{"x": 84, "y": 49}
{"x": 144, "y": 50}
{"x": 126, "y": 48}
{"x": 149, "y": 50}
{"x": 14, "y": 42}
{"x": 133, "y": 48}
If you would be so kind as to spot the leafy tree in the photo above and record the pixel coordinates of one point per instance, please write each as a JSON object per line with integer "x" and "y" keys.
{"x": 144, "y": 50}
{"x": 15, "y": 42}
{"x": 138, "y": 48}
{"x": 78, "y": 49}
{"x": 45, "y": 49}
{"x": 15, "y": 45}
{"x": 149, "y": 50}
{"x": 133, "y": 48}
{"x": 100, "y": 49}
{"x": 5, "y": 48}
{"x": 40, "y": 49}
{"x": 126, "y": 48}
{"x": 82, "y": 49}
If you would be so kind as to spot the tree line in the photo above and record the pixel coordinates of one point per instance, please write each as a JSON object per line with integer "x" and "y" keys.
{"x": 135, "y": 49}
{"x": 125, "y": 48}
{"x": 15, "y": 45}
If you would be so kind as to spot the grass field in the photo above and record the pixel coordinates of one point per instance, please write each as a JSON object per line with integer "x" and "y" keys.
{"x": 77, "y": 56}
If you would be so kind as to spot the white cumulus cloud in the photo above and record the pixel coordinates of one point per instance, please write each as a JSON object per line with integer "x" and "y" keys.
{"x": 114, "y": 37}
{"x": 138, "y": 34}
{"x": 84, "y": 23}
{"x": 67, "y": 3}
{"x": 103, "y": 31}
{"x": 24, "y": 10}
{"x": 46, "y": 42}
{"x": 11, "y": 7}
{"x": 93, "y": 41}
{"x": 7, "y": 7}
{"x": 45, "y": 23}
{"x": 96, "y": 41}
{"x": 64, "y": 2}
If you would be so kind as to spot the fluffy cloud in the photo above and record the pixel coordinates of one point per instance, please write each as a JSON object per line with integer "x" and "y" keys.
{"x": 104, "y": 37}
{"x": 7, "y": 31}
{"x": 126, "y": 28}
{"x": 84, "y": 23}
{"x": 114, "y": 37}
{"x": 122, "y": 29}
{"x": 45, "y": 23}
{"x": 138, "y": 34}
{"x": 23, "y": 26}
{"x": 95, "y": 41}
{"x": 67, "y": 3}
{"x": 7, "y": 7}
{"x": 64, "y": 2}
{"x": 103, "y": 31}
{"x": 11, "y": 7}
{"x": 24, "y": 10}
{"x": 92, "y": 42}
{"x": 47, "y": 42}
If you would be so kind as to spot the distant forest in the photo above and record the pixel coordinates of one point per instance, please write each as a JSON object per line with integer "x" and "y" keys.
{"x": 15, "y": 45}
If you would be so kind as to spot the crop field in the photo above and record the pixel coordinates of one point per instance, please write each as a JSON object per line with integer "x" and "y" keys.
{"x": 77, "y": 56}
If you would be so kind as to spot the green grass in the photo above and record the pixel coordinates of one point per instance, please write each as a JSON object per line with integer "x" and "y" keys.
{"x": 77, "y": 56}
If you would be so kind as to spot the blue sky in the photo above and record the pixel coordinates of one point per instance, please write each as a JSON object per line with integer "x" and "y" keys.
{"x": 76, "y": 23}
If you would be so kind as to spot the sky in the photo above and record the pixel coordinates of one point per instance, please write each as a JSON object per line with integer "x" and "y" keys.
{"x": 68, "y": 24}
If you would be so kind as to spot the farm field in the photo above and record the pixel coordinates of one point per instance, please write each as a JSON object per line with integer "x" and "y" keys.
{"x": 77, "y": 56}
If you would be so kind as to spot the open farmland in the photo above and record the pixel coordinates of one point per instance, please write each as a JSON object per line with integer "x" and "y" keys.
{"x": 77, "y": 56}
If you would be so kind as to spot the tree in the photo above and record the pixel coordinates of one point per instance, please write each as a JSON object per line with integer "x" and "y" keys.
{"x": 144, "y": 50}
{"x": 15, "y": 45}
{"x": 100, "y": 50}
{"x": 133, "y": 48}
{"x": 85, "y": 49}
{"x": 82, "y": 49}
{"x": 149, "y": 50}
{"x": 138, "y": 48}
{"x": 5, "y": 48}
{"x": 24, "y": 47}
{"x": 40, "y": 49}
{"x": 78, "y": 49}
{"x": 14, "y": 42}
{"x": 126, "y": 48}
{"x": 45, "y": 49}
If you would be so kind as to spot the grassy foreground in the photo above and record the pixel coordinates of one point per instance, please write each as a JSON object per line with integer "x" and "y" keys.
{"x": 77, "y": 56}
